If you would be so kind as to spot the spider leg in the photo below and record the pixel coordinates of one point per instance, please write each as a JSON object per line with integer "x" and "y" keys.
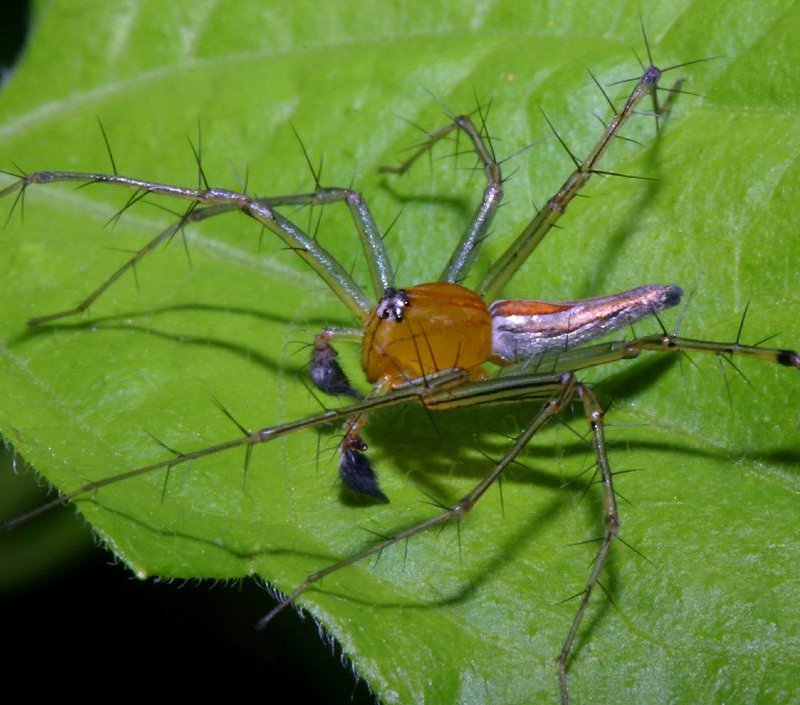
{"x": 604, "y": 353}
{"x": 560, "y": 390}
{"x": 464, "y": 255}
{"x": 534, "y": 232}
{"x": 208, "y": 202}
{"x": 594, "y": 416}
{"x": 192, "y": 215}
{"x": 375, "y": 253}
{"x": 409, "y": 392}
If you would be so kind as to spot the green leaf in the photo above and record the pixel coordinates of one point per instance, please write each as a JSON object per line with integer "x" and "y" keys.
{"x": 711, "y": 617}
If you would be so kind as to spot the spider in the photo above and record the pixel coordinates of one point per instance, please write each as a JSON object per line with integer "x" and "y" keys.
{"x": 408, "y": 358}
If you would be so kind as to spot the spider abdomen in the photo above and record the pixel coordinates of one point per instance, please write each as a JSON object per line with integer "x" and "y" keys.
{"x": 522, "y": 329}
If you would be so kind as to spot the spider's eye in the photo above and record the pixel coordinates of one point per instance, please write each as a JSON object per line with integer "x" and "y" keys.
{"x": 393, "y": 304}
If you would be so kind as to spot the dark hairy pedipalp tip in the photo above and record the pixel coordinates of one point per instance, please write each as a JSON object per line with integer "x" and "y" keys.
{"x": 326, "y": 373}
{"x": 356, "y": 471}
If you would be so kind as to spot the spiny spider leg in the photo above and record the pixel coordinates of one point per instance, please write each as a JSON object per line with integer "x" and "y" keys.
{"x": 375, "y": 253}
{"x": 518, "y": 252}
{"x": 595, "y": 355}
{"x": 192, "y": 215}
{"x": 464, "y": 255}
{"x": 562, "y": 388}
{"x": 533, "y": 233}
{"x": 411, "y": 391}
{"x": 451, "y": 389}
{"x": 594, "y": 416}
{"x": 208, "y": 202}
{"x": 566, "y": 389}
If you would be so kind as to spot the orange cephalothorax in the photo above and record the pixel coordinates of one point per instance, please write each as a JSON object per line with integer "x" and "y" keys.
{"x": 426, "y": 328}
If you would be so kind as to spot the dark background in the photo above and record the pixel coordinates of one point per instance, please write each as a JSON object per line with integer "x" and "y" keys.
{"x": 72, "y": 621}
